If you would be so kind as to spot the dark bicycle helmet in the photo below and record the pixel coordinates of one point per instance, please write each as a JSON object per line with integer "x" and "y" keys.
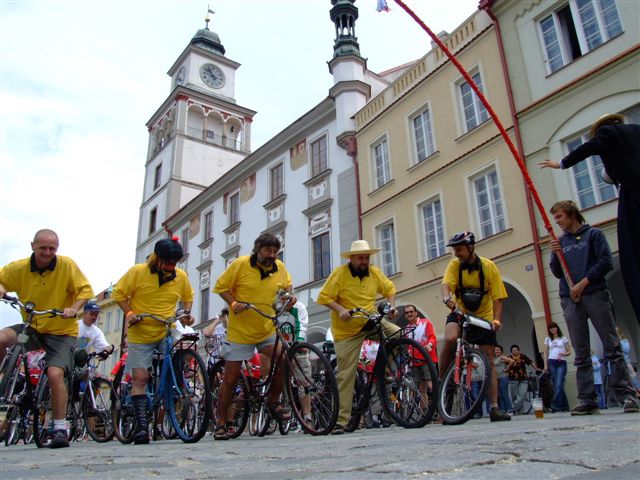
{"x": 168, "y": 249}
{"x": 462, "y": 238}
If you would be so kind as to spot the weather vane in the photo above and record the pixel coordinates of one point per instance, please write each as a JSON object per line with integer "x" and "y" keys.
{"x": 207, "y": 19}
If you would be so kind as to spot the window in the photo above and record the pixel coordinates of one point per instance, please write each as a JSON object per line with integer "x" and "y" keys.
{"x": 276, "y": 174}
{"x": 386, "y": 237}
{"x": 204, "y": 305}
{"x": 590, "y": 187}
{"x": 118, "y": 315}
{"x": 107, "y": 323}
{"x": 153, "y": 218}
{"x": 381, "y": 163}
{"x": 318, "y": 156}
{"x": 234, "y": 208}
{"x": 473, "y": 110}
{"x": 184, "y": 241}
{"x": 433, "y": 229}
{"x": 577, "y": 28}
{"x": 489, "y": 203}
{"x": 423, "y": 135}
{"x": 157, "y": 177}
{"x": 208, "y": 226}
{"x": 321, "y": 256}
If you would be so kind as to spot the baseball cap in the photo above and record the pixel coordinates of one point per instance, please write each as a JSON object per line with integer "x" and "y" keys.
{"x": 91, "y": 307}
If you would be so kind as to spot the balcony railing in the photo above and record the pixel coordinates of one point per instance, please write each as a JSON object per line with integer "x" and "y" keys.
{"x": 212, "y": 137}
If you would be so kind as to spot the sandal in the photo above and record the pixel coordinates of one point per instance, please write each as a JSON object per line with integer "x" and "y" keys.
{"x": 220, "y": 433}
{"x": 280, "y": 412}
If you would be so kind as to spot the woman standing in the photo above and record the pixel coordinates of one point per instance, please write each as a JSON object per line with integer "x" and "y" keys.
{"x": 556, "y": 349}
{"x": 518, "y": 378}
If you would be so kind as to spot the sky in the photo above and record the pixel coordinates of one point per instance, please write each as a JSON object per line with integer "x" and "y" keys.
{"x": 80, "y": 79}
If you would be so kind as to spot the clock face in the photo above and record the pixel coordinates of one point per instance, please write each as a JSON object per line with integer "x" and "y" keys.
{"x": 182, "y": 73}
{"x": 212, "y": 75}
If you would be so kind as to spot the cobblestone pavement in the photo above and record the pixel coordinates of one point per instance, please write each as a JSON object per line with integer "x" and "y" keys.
{"x": 605, "y": 446}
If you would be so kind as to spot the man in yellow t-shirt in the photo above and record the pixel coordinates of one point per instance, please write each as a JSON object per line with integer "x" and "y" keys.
{"x": 154, "y": 287}
{"x": 473, "y": 284}
{"x": 255, "y": 279}
{"x": 355, "y": 284}
{"x": 50, "y": 281}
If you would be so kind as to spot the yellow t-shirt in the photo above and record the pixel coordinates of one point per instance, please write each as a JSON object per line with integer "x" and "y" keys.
{"x": 492, "y": 284}
{"x": 244, "y": 282}
{"x": 141, "y": 288}
{"x": 57, "y": 288}
{"x": 351, "y": 292}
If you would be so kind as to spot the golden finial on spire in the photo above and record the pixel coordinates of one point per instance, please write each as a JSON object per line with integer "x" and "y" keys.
{"x": 207, "y": 19}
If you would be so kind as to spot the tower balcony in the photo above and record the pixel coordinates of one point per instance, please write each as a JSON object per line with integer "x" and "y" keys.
{"x": 210, "y": 136}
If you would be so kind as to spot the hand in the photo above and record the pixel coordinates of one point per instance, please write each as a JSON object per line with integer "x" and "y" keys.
{"x": 132, "y": 318}
{"x": 576, "y": 291}
{"x": 291, "y": 302}
{"x": 69, "y": 312}
{"x": 238, "y": 307}
{"x": 393, "y": 313}
{"x": 429, "y": 347}
{"x": 555, "y": 245}
{"x": 187, "y": 320}
{"x": 496, "y": 324}
{"x": 344, "y": 314}
{"x": 450, "y": 303}
{"x": 549, "y": 164}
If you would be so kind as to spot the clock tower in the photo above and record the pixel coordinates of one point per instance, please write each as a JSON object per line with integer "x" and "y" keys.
{"x": 196, "y": 135}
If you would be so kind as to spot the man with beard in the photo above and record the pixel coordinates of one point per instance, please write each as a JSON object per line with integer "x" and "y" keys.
{"x": 256, "y": 279}
{"x": 154, "y": 287}
{"x": 473, "y": 284}
{"x": 355, "y": 284}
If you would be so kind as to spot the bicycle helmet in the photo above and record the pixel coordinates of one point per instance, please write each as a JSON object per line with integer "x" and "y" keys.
{"x": 168, "y": 249}
{"x": 462, "y": 238}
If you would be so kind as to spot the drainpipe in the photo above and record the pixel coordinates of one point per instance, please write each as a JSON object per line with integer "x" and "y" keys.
{"x": 486, "y": 6}
{"x": 351, "y": 147}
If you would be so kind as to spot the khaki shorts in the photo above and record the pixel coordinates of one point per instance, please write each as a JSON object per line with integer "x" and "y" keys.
{"x": 421, "y": 373}
{"x": 237, "y": 352}
{"x": 141, "y": 355}
{"x": 302, "y": 368}
{"x": 58, "y": 348}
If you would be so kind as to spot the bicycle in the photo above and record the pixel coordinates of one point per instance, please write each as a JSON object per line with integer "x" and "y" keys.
{"x": 461, "y": 395}
{"x": 404, "y": 390}
{"x": 180, "y": 386}
{"x": 251, "y": 395}
{"x": 19, "y": 416}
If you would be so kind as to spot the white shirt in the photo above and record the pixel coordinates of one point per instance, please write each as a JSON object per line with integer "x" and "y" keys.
{"x": 556, "y": 346}
{"x": 91, "y": 338}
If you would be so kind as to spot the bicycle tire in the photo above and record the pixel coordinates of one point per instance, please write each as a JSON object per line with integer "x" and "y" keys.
{"x": 124, "y": 415}
{"x": 10, "y": 373}
{"x": 43, "y": 413}
{"x": 189, "y": 402}
{"x": 98, "y": 421}
{"x": 12, "y": 421}
{"x": 457, "y": 403}
{"x": 166, "y": 427}
{"x": 239, "y": 404}
{"x": 408, "y": 403}
{"x": 320, "y": 385}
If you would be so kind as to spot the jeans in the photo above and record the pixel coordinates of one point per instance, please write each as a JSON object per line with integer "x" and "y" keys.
{"x": 600, "y": 395}
{"x": 597, "y": 307}
{"x": 518, "y": 390}
{"x": 558, "y": 371}
{"x": 504, "y": 400}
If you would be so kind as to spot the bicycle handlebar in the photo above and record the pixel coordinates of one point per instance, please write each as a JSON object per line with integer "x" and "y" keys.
{"x": 29, "y": 307}
{"x": 467, "y": 319}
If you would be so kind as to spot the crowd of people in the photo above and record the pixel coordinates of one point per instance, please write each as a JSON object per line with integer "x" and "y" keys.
{"x": 471, "y": 284}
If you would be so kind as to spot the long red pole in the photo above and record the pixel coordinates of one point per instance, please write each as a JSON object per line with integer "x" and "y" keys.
{"x": 503, "y": 132}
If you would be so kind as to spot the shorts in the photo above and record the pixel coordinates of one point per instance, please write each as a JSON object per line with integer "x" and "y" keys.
{"x": 421, "y": 373}
{"x": 302, "y": 368}
{"x": 58, "y": 348}
{"x": 475, "y": 335}
{"x": 237, "y": 352}
{"x": 141, "y": 355}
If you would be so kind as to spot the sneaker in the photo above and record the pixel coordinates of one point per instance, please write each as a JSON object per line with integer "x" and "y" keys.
{"x": 141, "y": 437}
{"x": 59, "y": 439}
{"x": 585, "y": 409}
{"x": 631, "y": 406}
{"x": 338, "y": 430}
{"x": 497, "y": 415}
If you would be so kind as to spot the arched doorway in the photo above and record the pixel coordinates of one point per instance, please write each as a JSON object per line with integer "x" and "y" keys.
{"x": 517, "y": 325}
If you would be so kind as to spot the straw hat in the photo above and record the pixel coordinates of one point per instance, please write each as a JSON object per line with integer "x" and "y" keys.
{"x": 360, "y": 247}
{"x": 609, "y": 118}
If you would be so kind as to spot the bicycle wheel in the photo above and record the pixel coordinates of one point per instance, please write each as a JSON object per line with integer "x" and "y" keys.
{"x": 12, "y": 426}
{"x": 408, "y": 383}
{"x": 43, "y": 413}
{"x": 188, "y": 402}
{"x": 10, "y": 374}
{"x": 98, "y": 418}
{"x": 314, "y": 389}
{"x": 124, "y": 415}
{"x": 457, "y": 403}
{"x": 238, "y": 413}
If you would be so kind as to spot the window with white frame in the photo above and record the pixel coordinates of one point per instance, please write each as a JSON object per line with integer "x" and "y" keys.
{"x": 486, "y": 189}
{"x": 387, "y": 241}
{"x": 576, "y": 28}
{"x": 153, "y": 218}
{"x": 157, "y": 177}
{"x": 321, "y": 256}
{"x": 473, "y": 110}
{"x": 208, "y": 226}
{"x": 204, "y": 304}
{"x": 276, "y": 177}
{"x": 590, "y": 187}
{"x": 318, "y": 156}
{"x": 434, "y": 241}
{"x": 423, "y": 135}
{"x": 382, "y": 169}
{"x": 234, "y": 208}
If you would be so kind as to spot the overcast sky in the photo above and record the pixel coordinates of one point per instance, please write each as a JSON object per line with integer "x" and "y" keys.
{"x": 80, "y": 79}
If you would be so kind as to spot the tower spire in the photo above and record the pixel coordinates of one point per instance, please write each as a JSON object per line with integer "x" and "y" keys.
{"x": 344, "y": 14}
{"x": 207, "y": 19}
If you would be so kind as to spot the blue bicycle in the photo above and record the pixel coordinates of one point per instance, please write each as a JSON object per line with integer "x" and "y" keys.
{"x": 181, "y": 388}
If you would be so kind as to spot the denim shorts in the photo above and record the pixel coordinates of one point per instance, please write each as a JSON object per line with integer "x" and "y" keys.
{"x": 141, "y": 354}
{"x": 237, "y": 352}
